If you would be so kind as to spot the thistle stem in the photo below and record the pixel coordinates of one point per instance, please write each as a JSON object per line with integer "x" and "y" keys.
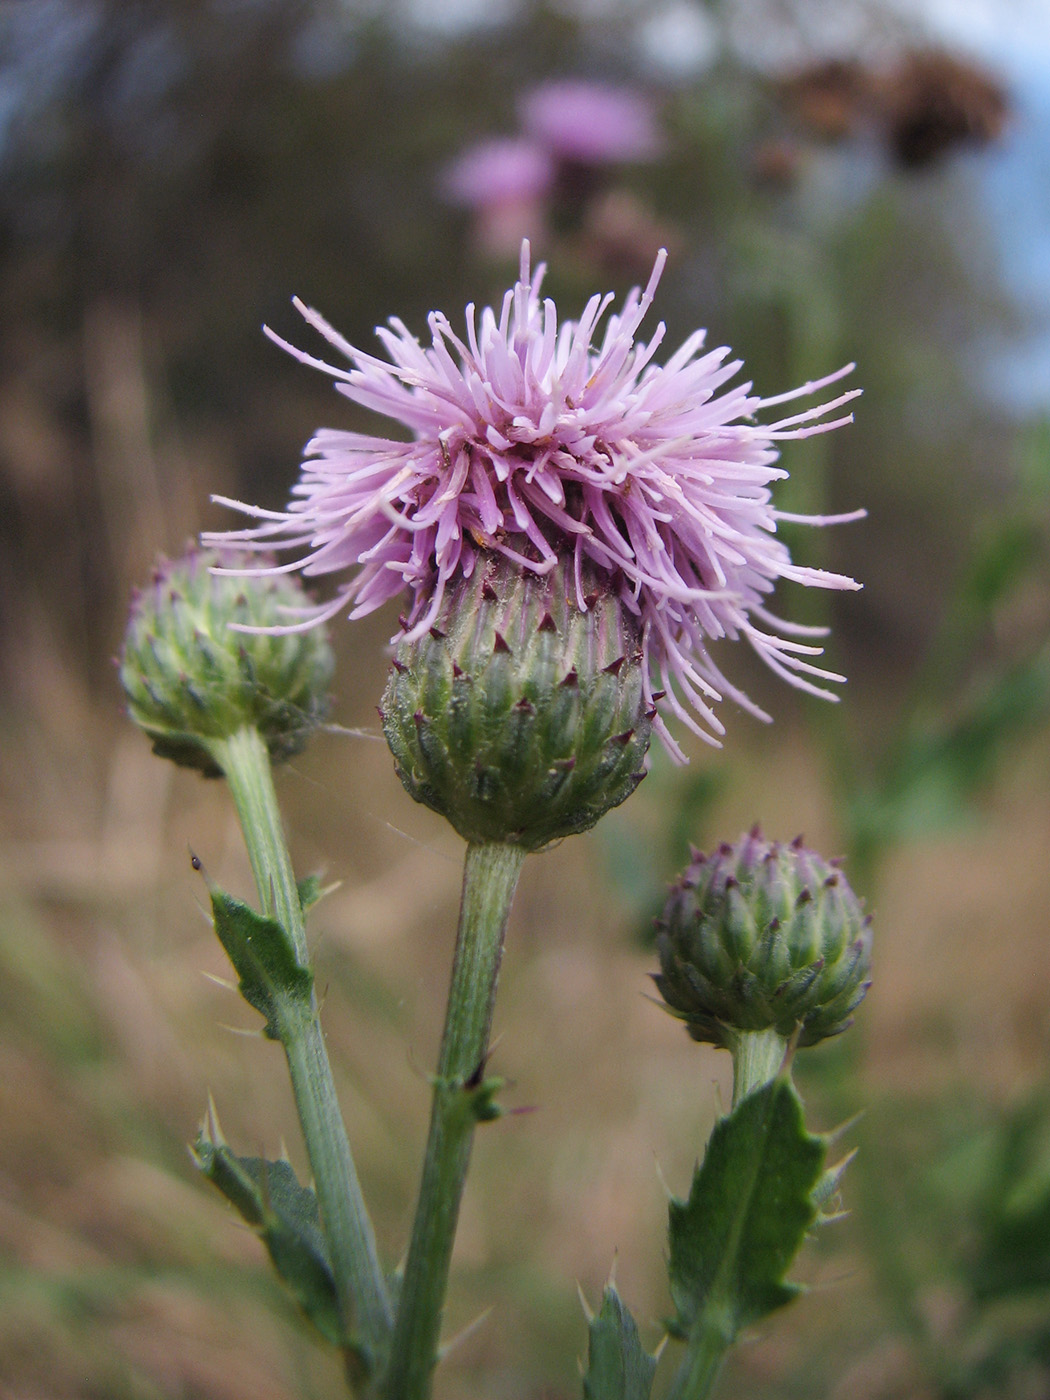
{"x": 757, "y": 1058}
{"x": 360, "y": 1285}
{"x": 699, "y": 1370}
{"x": 245, "y": 763}
{"x": 490, "y": 877}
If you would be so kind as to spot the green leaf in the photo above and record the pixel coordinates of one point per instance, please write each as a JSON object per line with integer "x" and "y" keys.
{"x": 269, "y": 1197}
{"x": 263, "y": 955}
{"x": 618, "y": 1366}
{"x": 750, "y": 1206}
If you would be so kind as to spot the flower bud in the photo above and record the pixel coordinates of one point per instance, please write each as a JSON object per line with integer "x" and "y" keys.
{"x": 520, "y": 716}
{"x": 763, "y": 936}
{"x": 191, "y": 679}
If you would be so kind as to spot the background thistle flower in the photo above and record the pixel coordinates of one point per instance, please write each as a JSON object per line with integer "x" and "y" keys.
{"x": 520, "y": 716}
{"x": 591, "y": 123}
{"x": 539, "y": 442}
{"x": 200, "y": 661}
{"x": 763, "y": 936}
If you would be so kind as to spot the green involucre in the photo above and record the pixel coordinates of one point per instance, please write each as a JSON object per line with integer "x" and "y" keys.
{"x": 763, "y": 936}
{"x": 518, "y": 716}
{"x": 190, "y": 678}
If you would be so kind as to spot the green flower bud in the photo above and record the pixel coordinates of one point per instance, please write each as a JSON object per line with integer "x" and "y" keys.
{"x": 518, "y": 716}
{"x": 191, "y": 679}
{"x": 763, "y": 936}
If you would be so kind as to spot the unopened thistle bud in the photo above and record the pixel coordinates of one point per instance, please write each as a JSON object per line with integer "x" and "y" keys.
{"x": 192, "y": 679}
{"x": 763, "y": 936}
{"x": 519, "y": 715}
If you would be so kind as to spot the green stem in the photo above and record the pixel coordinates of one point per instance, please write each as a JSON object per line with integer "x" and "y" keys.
{"x": 757, "y": 1058}
{"x": 245, "y": 763}
{"x": 490, "y": 877}
{"x": 359, "y": 1281}
{"x": 699, "y": 1370}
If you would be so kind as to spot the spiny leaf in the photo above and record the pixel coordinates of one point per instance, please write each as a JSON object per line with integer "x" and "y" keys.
{"x": 618, "y": 1366}
{"x": 827, "y": 1188}
{"x": 263, "y": 956}
{"x": 269, "y": 1197}
{"x": 748, "y": 1211}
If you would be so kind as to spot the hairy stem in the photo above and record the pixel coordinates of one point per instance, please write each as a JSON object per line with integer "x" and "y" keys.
{"x": 699, "y": 1370}
{"x": 758, "y": 1057}
{"x": 361, "y": 1287}
{"x": 490, "y": 877}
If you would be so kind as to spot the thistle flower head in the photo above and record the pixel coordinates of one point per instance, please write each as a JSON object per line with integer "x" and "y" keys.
{"x": 499, "y": 170}
{"x": 593, "y": 123}
{"x": 763, "y": 936}
{"x": 542, "y": 441}
{"x": 191, "y": 679}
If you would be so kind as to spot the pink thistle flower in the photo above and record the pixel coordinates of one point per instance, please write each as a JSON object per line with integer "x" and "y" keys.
{"x": 593, "y": 123}
{"x": 503, "y": 170}
{"x": 537, "y": 441}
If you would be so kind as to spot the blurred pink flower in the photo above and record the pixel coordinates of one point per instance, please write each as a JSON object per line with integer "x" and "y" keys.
{"x": 538, "y": 440}
{"x": 592, "y": 123}
{"x": 506, "y": 169}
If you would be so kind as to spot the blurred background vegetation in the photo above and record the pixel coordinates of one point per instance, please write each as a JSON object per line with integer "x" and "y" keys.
{"x": 834, "y": 182}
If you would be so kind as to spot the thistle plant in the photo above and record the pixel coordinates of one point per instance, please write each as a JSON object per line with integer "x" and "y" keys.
{"x": 764, "y": 948}
{"x": 574, "y": 530}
